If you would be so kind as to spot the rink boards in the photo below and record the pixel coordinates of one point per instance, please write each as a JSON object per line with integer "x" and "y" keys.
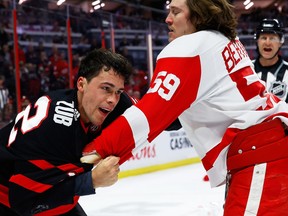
{"x": 169, "y": 149}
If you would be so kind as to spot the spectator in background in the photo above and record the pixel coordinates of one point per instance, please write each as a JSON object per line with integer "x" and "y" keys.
{"x": 25, "y": 37}
{"x": 21, "y": 53}
{"x": 269, "y": 65}
{"x": 24, "y": 102}
{"x": 94, "y": 44}
{"x": 4, "y": 97}
{"x": 9, "y": 74}
{"x": 40, "y": 48}
{"x": 59, "y": 70}
{"x": 24, "y": 77}
{"x": 140, "y": 80}
{"x": 5, "y": 54}
{"x": 43, "y": 60}
{"x": 4, "y": 37}
{"x": 33, "y": 84}
{"x": 125, "y": 52}
{"x": 136, "y": 40}
{"x": 44, "y": 80}
{"x": 31, "y": 55}
{"x": 124, "y": 42}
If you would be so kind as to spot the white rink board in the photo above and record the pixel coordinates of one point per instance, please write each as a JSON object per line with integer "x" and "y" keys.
{"x": 168, "y": 147}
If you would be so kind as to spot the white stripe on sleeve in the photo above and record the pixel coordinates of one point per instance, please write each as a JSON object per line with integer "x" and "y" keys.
{"x": 139, "y": 126}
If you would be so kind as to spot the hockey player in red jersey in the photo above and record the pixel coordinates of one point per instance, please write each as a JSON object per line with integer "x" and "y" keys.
{"x": 40, "y": 150}
{"x": 204, "y": 76}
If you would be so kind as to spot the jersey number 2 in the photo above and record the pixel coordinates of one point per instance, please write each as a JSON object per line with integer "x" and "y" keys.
{"x": 30, "y": 123}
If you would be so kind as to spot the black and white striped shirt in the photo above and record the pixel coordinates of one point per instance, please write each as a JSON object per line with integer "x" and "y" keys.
{"x": 275, "y": 76}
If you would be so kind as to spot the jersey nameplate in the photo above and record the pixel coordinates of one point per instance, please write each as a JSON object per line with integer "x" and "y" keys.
{"x": 64, "y": 113}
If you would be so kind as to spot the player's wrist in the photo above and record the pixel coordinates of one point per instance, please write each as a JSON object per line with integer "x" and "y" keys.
{"x": 84, "y": 184}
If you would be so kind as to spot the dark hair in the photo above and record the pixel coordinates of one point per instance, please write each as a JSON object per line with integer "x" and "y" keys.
{"x": 94, "y": 61}
{"x": 213, "y": 15}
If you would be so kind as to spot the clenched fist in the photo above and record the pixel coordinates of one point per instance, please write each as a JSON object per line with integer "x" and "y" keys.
{"x": 106, "y": 172}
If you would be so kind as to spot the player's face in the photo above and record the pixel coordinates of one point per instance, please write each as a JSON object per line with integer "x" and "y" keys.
{"x": 268, "y": 45}
{"x": 178, "y": 20}
{"x": 100, "y": 96}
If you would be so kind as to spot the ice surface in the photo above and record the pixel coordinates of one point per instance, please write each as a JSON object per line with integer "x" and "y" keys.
{"x": 173, "y": 192}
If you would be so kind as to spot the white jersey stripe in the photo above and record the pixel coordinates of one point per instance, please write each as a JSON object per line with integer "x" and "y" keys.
{"x": 256, "y": 190}
{"x": 140, "y": 132}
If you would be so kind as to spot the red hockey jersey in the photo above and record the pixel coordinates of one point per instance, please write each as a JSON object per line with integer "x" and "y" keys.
{"x": 209, "y": 82}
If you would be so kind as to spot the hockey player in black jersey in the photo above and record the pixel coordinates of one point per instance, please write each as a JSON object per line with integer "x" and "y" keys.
{"x": 40, "y": 170}
{"x": 269, "y": 65}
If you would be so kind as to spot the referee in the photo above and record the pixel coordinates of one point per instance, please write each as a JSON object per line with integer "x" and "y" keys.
{"x": 269, "y": 65}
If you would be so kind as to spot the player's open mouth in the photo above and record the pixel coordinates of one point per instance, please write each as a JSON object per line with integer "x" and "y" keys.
{"x": 105, "y": 111}
{"x": 267, "y": 49}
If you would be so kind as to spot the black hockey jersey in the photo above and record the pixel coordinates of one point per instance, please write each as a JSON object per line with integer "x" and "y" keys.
{"x": 40, "y": 154}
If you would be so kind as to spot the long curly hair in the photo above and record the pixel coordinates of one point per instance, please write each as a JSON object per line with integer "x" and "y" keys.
{"x": 213, "y": 15}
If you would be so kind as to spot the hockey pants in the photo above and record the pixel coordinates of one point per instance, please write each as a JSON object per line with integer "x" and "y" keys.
{"x": 258, "y": 172}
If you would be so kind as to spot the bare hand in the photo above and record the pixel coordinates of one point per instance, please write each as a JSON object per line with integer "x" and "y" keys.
{"x": 106, "y": 172}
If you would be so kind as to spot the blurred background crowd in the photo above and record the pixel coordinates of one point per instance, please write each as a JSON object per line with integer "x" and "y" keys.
{"x": 42, "y": 43}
